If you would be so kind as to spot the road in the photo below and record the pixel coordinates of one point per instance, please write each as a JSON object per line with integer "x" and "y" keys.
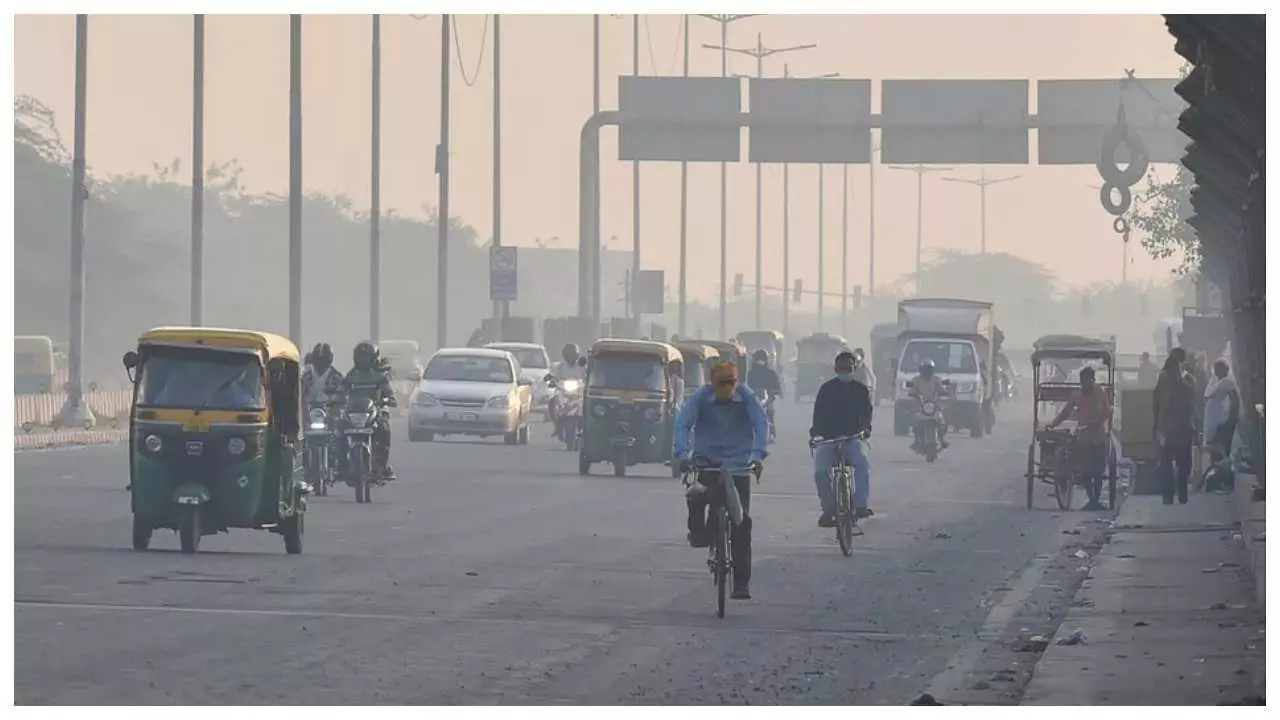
{"x": 497, "y": 575}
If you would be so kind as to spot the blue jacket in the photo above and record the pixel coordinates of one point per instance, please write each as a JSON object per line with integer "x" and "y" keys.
{"x": 733, "y": 433}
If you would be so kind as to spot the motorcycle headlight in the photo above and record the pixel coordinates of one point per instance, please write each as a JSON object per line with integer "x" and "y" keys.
{"x": 153, "y": 443}
{"x": 651, "y": 413}
{"x": 358, "y": 419}
{"x": 599, "y": 410}
{"x": 501, "y": 402}
{"x": 572, "y": 386}
{"x": 930, "y": 408}
{"x": 425, "y": 400}
{"x": 235, "y": 446}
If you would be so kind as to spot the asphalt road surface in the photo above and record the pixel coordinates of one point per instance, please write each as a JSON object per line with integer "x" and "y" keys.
{"x": 497, "y": 575}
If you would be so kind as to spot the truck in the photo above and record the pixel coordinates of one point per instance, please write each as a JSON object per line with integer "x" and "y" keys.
{"x": 959, "y": 337}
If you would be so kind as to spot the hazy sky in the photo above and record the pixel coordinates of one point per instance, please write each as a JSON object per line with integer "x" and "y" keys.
{"x": 140, "y": 99}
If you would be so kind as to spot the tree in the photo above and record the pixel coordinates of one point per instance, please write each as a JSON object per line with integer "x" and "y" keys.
{"x": 1160, "y": 213}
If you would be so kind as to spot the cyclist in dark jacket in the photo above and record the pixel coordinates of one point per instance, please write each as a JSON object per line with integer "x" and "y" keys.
{"x": 842, "y": 408}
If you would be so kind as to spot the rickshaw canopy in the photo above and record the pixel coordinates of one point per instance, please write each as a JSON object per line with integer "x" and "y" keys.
{"x": 666, "y": 353}
{"x": 269, "y": 346}
{"x": 727, "y": 346}
{"x": 700, "y": 350}
{"x": 1072, "y": 346}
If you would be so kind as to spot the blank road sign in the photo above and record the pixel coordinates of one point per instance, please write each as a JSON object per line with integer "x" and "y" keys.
{"x": 954, "y": 121}
{"x": 1074, "y": 115}
{"x": 504, "y": 278}
{"x": 810, "y": 120}
{"x": 673, "y": 119}
{"x": 649, "y": 291}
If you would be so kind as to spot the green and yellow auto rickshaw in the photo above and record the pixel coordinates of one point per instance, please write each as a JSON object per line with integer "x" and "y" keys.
{"x": 699, "y": 358}
{"x": 771, "y": 341}
{"x": 815, "y": 358}
{"x": 628, "y": 411}
{"x": 735, "y": 352}
{"x": 214, "y": 435}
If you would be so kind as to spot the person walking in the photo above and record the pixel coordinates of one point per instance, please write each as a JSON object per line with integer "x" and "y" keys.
{"x": 1175, "y": 427}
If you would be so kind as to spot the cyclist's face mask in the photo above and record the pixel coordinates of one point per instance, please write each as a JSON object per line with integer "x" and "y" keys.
{"x": 844, "y": 371}
{"x": 725, "y": 389}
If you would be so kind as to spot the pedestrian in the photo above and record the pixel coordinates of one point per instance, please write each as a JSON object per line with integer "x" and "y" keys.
{"x": 1221, "y": 411}
{"x": 1175, "y": 427}
{"x": 1148, "y": 373}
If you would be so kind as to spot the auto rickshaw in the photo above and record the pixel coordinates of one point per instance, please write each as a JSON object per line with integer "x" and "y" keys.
{"x": 1056, "y": 363}
{"x": 629, "y": 413}
{"x": 815, "y": 356}
{"x": 214, "y": 435}
{"x": 699, "y": 358}
{"x": 734, "y": 351}
{"x": 771, "y": 341}
{"x": 884, "y": 357}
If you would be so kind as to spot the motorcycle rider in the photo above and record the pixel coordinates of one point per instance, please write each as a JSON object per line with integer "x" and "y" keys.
{"x": 369, "y": 378}
{"x": 729, "y": 427}
{"x": 321, "y": 379}
{"x": 842, "y": 408}
{"x": 566, "y": 369}
{"x": 928, "y": 387}
{"x": 862, "y": 372}
{"x": 764, "y": 382}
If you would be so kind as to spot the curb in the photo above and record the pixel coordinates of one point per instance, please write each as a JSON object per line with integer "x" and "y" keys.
{"x": 67, "y": 438}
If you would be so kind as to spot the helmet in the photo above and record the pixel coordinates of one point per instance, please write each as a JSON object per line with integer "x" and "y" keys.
{"x": 322, "y": 355}
{"x": 926, "y": 367}
{"x": 761, "y": 357}
{"x": 570, "y": 352}
{"x": 364, "y": 355}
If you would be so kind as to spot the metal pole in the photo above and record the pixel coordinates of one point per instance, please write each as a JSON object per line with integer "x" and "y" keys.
{"x": 871, "y": 249}
{"x": 197, "y": 171}
{"x": 919, "y": 222}
{"x": 635, "y": 181}
{"x": 75, "y": 411}
{"x": 375, "y": 187}
{"x": 822, "y": 295}
{"x": 502, "y": 308}
{"x": 442, "y": 167}
{"x": 724, "y": 202}
{"x": 844, "y": 250}
{"x": 759, "y": 202}
{"x": 786, "y": 247}
{"x": 684, "y": 207}
{"x": 295, "y": 178}
{"x": 595, "y": 281}
{"x": 982, "y": 204}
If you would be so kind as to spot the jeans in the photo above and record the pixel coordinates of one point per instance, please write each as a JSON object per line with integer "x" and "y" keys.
{"x": 1175, "y": 453}
{"x": 855, "y": 455}
{"x": 740, "y": 535}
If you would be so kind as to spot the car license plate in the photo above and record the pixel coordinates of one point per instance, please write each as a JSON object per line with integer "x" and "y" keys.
{"x": 360, "y": 431}
{"x": 464, "y": 417}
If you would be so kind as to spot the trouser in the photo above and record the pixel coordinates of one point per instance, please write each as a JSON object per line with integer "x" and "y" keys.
{"x": 1222, "y": 438}
{"x": 825, "y": 459}
{"x": 1175, "y": 468}
{"x": 740, "y": 535}
{"x": 1091, "y": 465}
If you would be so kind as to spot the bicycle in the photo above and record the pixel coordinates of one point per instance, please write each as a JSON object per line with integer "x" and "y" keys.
{"x": 841, "y": 476}
{"x": 720, "y": 553}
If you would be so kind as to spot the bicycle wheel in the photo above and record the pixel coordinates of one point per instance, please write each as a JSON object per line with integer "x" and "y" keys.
{"x": 844, "y": 511}
{"x": 722, "y": 558}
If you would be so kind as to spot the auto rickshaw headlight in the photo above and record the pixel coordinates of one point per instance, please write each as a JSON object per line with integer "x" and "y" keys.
{"x": 154, "y": 443}
{"x": 236, "y": 446}
{"x": 599, "y": 410}
{"x": 651, "y": 413}
{"x": 317, "y": 419}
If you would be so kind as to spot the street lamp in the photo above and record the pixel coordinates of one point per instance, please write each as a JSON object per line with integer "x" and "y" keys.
{"x": 983, "y": 182}
{"x": 920, "y": 171}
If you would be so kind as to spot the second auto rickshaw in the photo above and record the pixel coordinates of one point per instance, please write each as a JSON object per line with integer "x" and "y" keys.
{"x": 214, "y": 435}
{"x": 629, "y": 410}
{"x": 814, "y": 362}
{"x": 733, "y": 351}
{"x": 699, "y": 358}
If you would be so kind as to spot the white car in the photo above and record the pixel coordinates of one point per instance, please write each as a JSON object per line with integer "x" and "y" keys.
{"x": 471, "y": 391}
{"x": 534, "y": 366}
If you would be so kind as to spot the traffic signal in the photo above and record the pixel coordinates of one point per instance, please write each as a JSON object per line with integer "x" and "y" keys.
{"x": 796, "y": 295}
{"x": 737, "y": 285}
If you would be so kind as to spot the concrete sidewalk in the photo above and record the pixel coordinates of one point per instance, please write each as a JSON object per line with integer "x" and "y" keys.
{"x": 1167, "y": 615}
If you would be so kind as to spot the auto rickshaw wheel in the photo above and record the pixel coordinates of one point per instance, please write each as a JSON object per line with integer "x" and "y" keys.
{"x": 292, "y": 529}
{"x": 141, "y": 534}
{"x": 189, "y": 529}
{"x": 584, "y": 465}
{"x": 512, "y": 438}
{"x": 620, "y": 462}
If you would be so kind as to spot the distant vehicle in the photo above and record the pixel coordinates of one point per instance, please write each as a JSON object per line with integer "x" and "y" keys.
{"x": 404, "y": 357}
{"x": 958, "y": 336}
{"x": 472, "y": 391}
{"x": 35, "y": 367}
{"x": 534, "y": 366}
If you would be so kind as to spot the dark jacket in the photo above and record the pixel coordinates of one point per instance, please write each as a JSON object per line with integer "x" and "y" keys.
{"x": 841, "y": 408}
{"x": 763, "y": 380}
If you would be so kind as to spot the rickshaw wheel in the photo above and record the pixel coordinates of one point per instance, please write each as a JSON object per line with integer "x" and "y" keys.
{"x": 584, "y": 465}
{"x": 141, "y": 534}
{"x": 1031, "y": 475}
{"x": 1063, "y": 486}
{"x": 292, "y": 529}
{"x": 1111, "y": 482}
{"x": 189, "y": 529}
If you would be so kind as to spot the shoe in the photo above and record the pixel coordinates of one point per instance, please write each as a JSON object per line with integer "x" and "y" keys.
{"x": 388, "y": 475}
{"x": 698, "y": 539}
{"x": 944, "y": 444}
{"x": 741, "y": 592}
{"x": 827, "y": 520}
{"x": 863, "y": 512}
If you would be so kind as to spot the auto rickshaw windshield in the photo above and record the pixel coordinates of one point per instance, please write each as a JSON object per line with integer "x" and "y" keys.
{"x": 204, "y": 379}
{"x": 626, "y": 372}
{"x": 817, "y": 352}
{"x": 692, "y": 372}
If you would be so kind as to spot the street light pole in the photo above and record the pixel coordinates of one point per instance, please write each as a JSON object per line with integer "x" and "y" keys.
{"x": 920, "y": 171}
{"x": 501, "y": 308}
{"x": 684, "y": 208}
{"x": 442, "y": 168}
{"x": 760, "y": 52}
{"x": 197, "y": 171}
{"x": 375, "y": 186}
{"x": 295, "y": 178}
{"x": 76, "y": 412}
{"x": 982, "y": 183}
{"x": 822, "y": 269}
{"x": 844, "y": 250}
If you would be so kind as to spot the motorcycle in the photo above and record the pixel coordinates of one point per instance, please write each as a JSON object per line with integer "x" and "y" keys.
{"x": 928, "y": 429}
{"x": 768, "y": 410}
{"x": 361, "y": 417}
{"x": 316, "y": 445}
{"x": 568, "y": 417}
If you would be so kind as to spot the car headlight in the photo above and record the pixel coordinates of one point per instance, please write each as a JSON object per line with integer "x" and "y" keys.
{"x": 235, "y": 446}
{"x": 425, "y": 400}
{"x": 358, "y": 419}
{"x": 154, "y": 443}
{"x": 599, "y": 410}
{"x": 964, "y": 388}
{"x": 651, "y": 413}
{"x": 501, "y": 402}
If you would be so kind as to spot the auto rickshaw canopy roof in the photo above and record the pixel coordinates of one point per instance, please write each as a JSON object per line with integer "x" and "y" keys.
{"x": 727, "y": 346}
{"x": 661, "y": 350}
{"x": 774, "y": 334}
{"x": 1072, "y": 346}
{"x": 270, "y": 345}
{"x": 698, "y": 348}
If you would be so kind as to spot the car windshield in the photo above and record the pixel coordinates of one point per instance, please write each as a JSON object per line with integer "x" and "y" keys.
{"x": 531, "y": 358}
{"x": 469, "y": 368}
{"x": 947, "y": 356}
{"x": 627, "y": 372}
{"x": 207, "y": 379}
